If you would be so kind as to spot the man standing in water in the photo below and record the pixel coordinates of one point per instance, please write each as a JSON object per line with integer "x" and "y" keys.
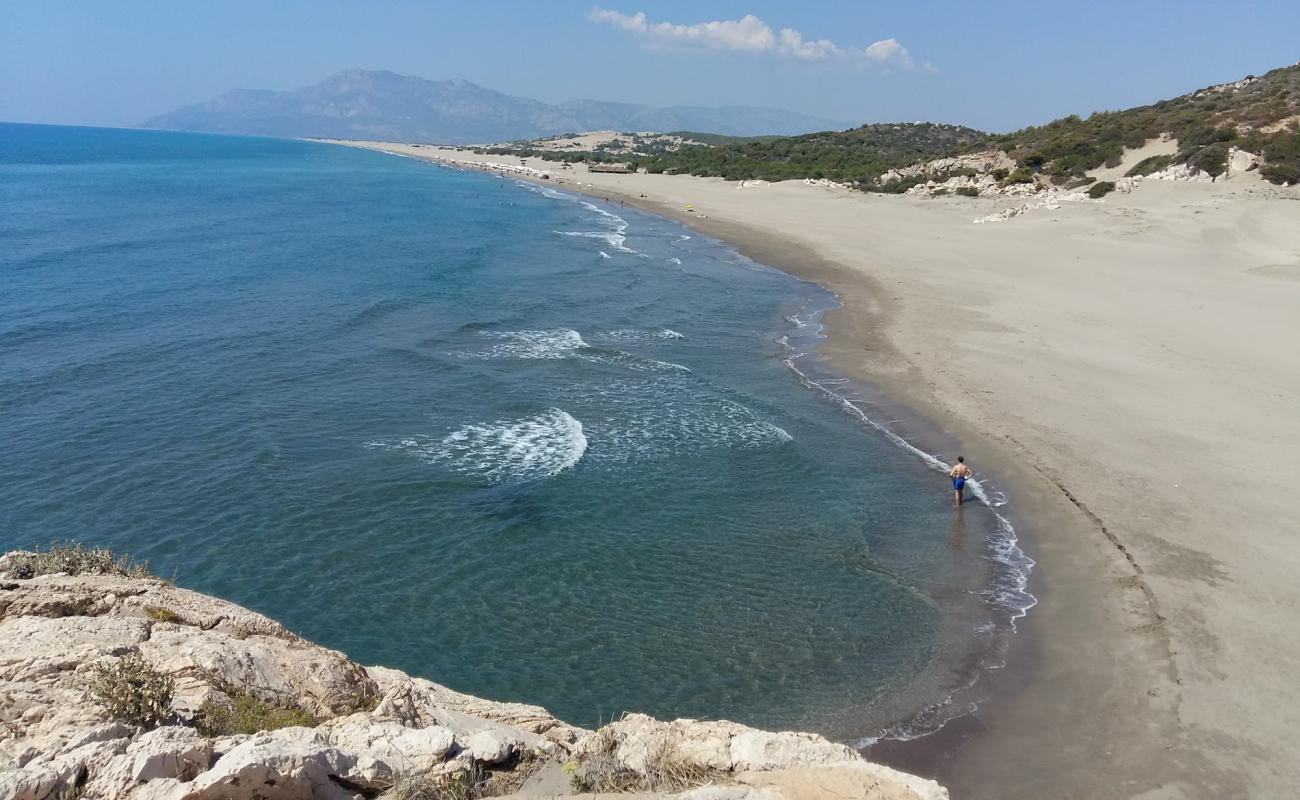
{"x": 959, "y": 474}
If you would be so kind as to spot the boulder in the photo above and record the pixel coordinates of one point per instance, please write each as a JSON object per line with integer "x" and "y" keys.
{"x": 289, "y": 764}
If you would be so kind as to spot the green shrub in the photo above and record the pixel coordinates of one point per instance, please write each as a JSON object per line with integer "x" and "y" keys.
{"x": 968, "y": 191}
{"x": 75, "y": 558}
{"x": 1079, "y": 183}
{"x": 1021, "y": 175}
{"x": 1212, "y": 158}
{"x": 132, "y": 691}
{"x": 1284, "y": 174}
{"x": 1282, "y": 158}
{"x": 1150, "y": 165}
{"x": 1101, "y": 189}
{"x": 1001, "y": 173}
{"x": 248, "y": 714}
{"x": 900, "y": 185}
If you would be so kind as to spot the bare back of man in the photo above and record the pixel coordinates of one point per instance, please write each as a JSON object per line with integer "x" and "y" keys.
{"x": 960, "y": 473}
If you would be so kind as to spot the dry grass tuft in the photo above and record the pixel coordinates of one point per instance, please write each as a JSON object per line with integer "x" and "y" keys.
{"x": 666, "y": 769}
{"x": 75, "y": 558}
{"x": 160, "y": 614}
{"x": 466, "y": 784}
{"x": 132, "y": 691}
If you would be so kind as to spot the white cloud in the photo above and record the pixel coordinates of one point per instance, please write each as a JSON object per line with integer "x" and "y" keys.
{"x": 749, "y": 34}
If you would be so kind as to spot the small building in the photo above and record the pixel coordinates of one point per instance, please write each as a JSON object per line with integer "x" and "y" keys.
{"x": 622, "y": 169}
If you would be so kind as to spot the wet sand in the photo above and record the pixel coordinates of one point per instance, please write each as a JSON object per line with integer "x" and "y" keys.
{"x": 1127, "y": 370}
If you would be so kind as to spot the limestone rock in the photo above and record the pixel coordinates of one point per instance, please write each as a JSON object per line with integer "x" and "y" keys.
{"x": 377, "y": 725}
{"x": 1240, "y": 161}
{"x": 171, "y": 752}
{"x": 280, "y": 766}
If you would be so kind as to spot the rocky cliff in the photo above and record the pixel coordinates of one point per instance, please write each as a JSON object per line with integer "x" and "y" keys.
{"x": 119, "y": 685}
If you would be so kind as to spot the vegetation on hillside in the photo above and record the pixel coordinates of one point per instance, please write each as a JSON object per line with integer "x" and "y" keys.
{"x": 851, "y": 156}
{"x": 1258, "y": 114}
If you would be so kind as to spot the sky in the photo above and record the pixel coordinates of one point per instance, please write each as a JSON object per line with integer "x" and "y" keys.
{"x": 994, "y": 65}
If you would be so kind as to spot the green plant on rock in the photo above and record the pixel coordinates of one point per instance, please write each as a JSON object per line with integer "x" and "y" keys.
{"x": 967, "y": 191}
{"x": 246, "y": 713}
{"x": 132, "y": 691}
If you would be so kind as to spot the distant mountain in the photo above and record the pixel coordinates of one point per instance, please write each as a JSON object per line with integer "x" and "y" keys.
{"x": 364, "y": 104}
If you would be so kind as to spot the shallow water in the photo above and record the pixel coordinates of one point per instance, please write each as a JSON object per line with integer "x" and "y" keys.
{"x": 528, "y": 445}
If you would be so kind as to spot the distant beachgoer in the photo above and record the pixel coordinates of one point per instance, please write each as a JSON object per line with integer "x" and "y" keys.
{"x": 960, "y": 473}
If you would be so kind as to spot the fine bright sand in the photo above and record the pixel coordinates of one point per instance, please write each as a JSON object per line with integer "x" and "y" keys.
{"x": 1130, "y": 370}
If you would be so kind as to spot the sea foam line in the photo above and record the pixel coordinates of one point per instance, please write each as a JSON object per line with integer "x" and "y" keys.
{"x": 1010, "y": 594}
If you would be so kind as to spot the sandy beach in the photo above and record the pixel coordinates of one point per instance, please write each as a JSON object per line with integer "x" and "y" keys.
{"x": 1126, "y": 370}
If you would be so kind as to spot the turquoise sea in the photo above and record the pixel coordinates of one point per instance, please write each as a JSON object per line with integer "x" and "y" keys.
{"x": 525, "y": 444}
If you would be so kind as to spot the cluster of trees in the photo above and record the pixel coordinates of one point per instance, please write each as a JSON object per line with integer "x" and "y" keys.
{"x": 855, "y": 156}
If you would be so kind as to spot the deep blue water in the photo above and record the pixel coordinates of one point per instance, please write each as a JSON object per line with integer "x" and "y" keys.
{"x": 526, "y": 445}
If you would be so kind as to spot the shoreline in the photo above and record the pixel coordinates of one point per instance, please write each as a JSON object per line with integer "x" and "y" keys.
{"x": 917, "y": 751}
{"x": 1049, "y": 346}
{"x": 920, "y": 438}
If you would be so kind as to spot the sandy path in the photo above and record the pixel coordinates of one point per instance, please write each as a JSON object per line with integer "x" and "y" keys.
{"x": 1130, "y": 368}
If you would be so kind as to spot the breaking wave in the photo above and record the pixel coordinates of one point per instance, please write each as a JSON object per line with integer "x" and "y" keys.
{"x": 505, "y": 451}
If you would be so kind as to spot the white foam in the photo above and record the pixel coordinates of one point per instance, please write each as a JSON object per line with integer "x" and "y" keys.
{"x": 616, "y": 238}
{"x": 603, "y": 254}
{"x": 505, "y": 451}
{"x": 635, "y": 335}
{"x": 634, "y": 363}
{"x": 554, "y": 343}
{"x": 674, "y": 260}
{"x": 666, "y": 417}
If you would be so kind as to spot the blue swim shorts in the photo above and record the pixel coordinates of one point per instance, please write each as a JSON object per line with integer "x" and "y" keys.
{"x": 958, "y": 483}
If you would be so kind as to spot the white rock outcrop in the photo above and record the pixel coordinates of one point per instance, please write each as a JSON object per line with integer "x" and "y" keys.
{"x": 376, "y": 726}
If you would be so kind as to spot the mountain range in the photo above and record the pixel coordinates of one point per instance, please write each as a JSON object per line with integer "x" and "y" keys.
{"x": 367, "y": 104}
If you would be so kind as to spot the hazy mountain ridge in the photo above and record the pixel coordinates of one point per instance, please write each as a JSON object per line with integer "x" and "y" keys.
{"x": 365, "y": 104}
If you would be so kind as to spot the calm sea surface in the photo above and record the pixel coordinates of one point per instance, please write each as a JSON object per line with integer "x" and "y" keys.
{"x": 524, "y": 444}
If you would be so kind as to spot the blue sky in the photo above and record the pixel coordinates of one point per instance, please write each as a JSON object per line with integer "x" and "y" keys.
{"x": 993, "y": 65}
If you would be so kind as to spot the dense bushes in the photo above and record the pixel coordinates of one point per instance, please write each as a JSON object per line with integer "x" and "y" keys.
{"x": 1101, "y": 189}
{"x": 1212, "y": 158}
{"x": 859, "y": 155}
{"x": 1021, "y": 175}
{"x": 1282, "y": 158}
{"x": 1150, "y": 165}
